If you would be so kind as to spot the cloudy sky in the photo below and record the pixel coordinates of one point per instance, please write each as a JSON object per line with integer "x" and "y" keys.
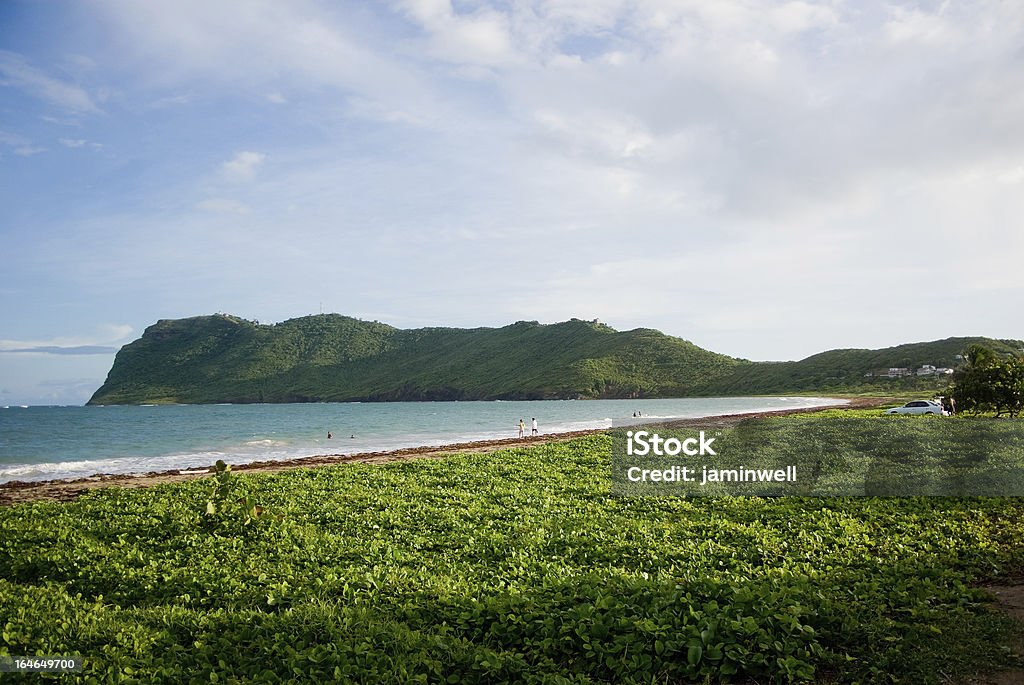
{"x": 766, "y": 179}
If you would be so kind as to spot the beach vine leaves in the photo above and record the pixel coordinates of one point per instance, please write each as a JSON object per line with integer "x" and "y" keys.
{"x": 224, "y": 504}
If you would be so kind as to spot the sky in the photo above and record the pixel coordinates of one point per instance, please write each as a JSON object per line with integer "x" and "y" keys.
{"x": 765, "y": 179}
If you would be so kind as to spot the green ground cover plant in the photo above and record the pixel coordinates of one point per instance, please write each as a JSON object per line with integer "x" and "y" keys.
{"x": 840, "y": 453}
{"x": 514, "y": 566}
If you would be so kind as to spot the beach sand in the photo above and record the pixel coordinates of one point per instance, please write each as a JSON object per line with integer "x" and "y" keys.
{"x": 65, "y": 490}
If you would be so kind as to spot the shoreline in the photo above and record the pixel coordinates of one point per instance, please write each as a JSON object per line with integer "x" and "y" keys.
{"x": 16, "y": 491}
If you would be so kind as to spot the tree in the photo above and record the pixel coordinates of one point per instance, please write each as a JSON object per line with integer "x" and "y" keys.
{"x": 989, "y": 382}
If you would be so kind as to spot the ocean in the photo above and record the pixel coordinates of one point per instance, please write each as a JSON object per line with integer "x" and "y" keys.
{"x": 46, "y": 443}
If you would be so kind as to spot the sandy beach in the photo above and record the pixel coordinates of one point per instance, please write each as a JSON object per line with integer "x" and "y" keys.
{"x": 15, "y": 492}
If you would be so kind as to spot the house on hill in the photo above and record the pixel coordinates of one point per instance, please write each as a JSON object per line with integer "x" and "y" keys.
{"x": 929, "y": 370}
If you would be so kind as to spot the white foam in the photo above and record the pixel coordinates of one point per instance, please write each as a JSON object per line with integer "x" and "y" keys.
{"x": 266, "y": 442}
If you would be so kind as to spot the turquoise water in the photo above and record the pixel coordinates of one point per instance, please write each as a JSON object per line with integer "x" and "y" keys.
{"x": 43, "y": 443}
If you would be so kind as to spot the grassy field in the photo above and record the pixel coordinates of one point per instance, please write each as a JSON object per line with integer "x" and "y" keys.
{"x": 514, "y": 566}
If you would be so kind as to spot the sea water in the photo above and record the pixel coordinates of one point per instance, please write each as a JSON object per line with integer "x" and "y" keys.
{"x": 44, "y": 443}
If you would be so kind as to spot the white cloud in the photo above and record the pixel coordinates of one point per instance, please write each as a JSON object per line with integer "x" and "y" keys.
{"x": 243, "y": 166}
{"x": 78, "y": 143}
{"x": 20, "y": 145}
{"x": 916, "y": 26}
{"x": 1012, "y": 176}
{"x": 61, "y": 121}
{"x": 796, "y": 17}
{"x": 82, "y": 62}
{"x": 103, "y": 335}
{"x": 264, "y": 46}
{"x": 596, "y": 132}
{"x": 12, "y": 139}
{"x": 16, "y": 72}
{"x": 172, "y": 101}
{"x": 481, "y": 37}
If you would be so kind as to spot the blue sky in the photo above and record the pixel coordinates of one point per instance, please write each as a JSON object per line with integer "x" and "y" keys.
{"x": 766, "y": 179}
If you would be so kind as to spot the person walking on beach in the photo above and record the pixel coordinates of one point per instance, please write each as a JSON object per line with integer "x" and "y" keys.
{"x": 534, "y": 427}
{"x": 522, "y": 428}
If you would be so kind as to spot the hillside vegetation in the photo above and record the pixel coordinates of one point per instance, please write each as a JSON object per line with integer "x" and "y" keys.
{"x": 333, "y": 358}
{"x": 337, "y": 358}
{"x": 844, "y": 370}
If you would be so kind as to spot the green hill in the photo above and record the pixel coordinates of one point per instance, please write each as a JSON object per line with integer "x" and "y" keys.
{"x": 337, "y": 358}
{"x": 856, "y": 370}
{"x": 332, "y": 358}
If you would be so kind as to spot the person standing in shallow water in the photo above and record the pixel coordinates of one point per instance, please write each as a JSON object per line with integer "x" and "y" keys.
{"x": 534, "y": 427}
{"x": 522, "y": 428}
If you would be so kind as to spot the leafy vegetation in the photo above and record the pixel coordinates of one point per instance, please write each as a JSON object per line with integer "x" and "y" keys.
{"x": 335, "y": 358}
{"x": 840, "y": 453}
{"x": 990, "y": 383}
{"x": 224, "y": 507}
{"x": 516, "y": 566}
